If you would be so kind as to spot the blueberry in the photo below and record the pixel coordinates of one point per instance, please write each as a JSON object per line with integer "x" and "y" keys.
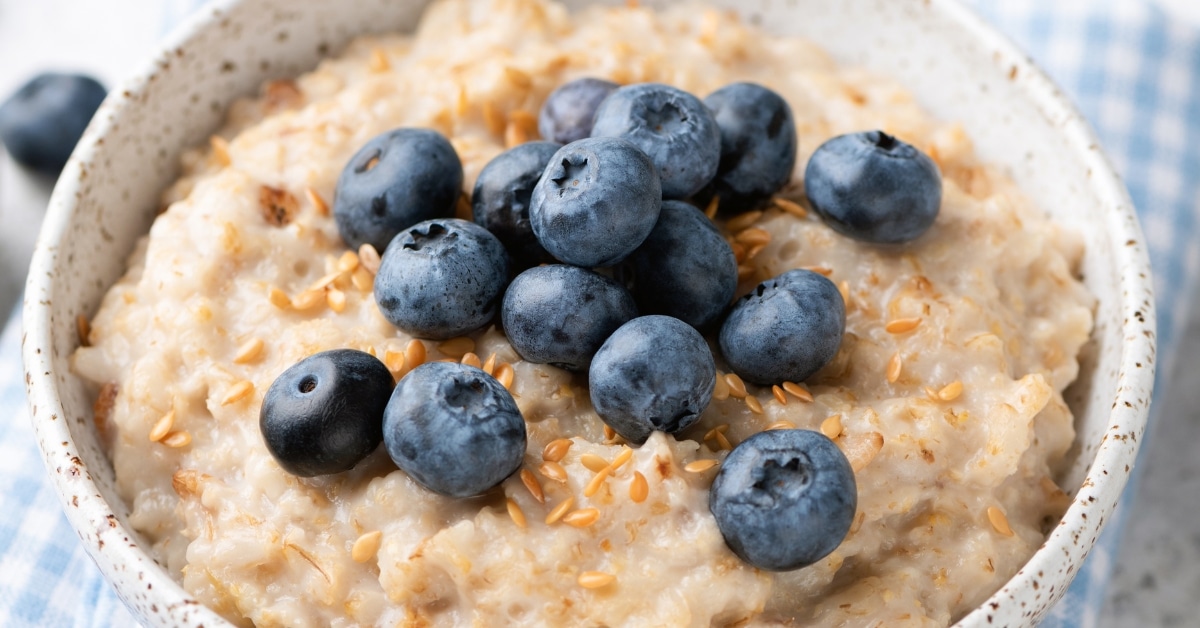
{"x": 758, "y": 143}
{"x": 653, "y": 373}
{"x": 672, "y": 126}
{"x": 394, "y": 181}
{"x": 785, "y": 329}
{"x": 560, "y": 315}
{"x": 873, "y": 187}
{"x": 567, "y": 114}
{"x": 596, "y": 202}
{"x": 42, "y": 122}
{"x": 454, "y": 429}
{"x": 500, "y": 202}
{"x": 784, "y": 499}
{"x": 441, "y": 278}
{"x": 324, "y": 414}
{"x": 685, "y": 268}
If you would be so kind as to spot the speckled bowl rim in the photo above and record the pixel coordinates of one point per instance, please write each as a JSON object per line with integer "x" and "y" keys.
{"x": 1065, "y": 548}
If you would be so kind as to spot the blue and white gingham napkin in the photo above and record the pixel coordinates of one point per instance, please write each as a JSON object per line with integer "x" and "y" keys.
{"x": 1133, "y": 71}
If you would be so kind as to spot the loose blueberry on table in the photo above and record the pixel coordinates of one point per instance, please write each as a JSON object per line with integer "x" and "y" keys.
{"x": 561, "y": 315}
{"x": 442, "y": 278}
{"x": 873, "y": 187}
{"x": 500, "y": 202}
{"x": 653, "y": 373}
{"x": 670, "y": 125}
{"x": 758, "y": 144}
{"x": 41, "y": 123}
{"x": 324, "y": 414}
{"x": 784, "y": 499}
{"x": 596, "y": 202}
{"x": 394, "y": 181}
{"x": 785, "y": 329}
{"x": 569, "y": 110}
{"x": 454, "y": 429}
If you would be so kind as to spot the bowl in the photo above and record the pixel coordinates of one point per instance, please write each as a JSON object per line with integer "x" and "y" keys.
{"x": 958, "y": 67}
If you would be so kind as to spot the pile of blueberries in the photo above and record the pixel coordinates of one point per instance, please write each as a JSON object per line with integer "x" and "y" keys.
{"x": 588, "y": 251}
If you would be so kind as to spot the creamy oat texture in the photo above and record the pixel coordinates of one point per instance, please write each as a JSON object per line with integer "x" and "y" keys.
{"x": 954, "y": 426}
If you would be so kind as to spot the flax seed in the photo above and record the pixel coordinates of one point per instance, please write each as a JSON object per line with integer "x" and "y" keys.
{"x": 518, "y": 77}
{"x": 556, "y": 450}
{"x": 470, "y": 359}
{"x": 790, "y": 206}
{"x": 720, "y": 429}
{"x": 593, "y": 462}
{"x": 362, "y": 280}
{"x": 414, "y": 354}
{"x": 595, "y": 579}
{"x": 531, "y": 483}
{"x": 248, "y": 351}
{"x": 490, "y": 366}
{"x": 950, "y": 391}
{"x": 308, "y": 299}
{"x": 561, "y": 509}
{"x": 505, "y": 375}
{"x": 220, "y": 150}
{"x": 780, "y": 425}
{"x": 348, "y": 262}
{"x": 366, "y": 546}
{"x": 515, "y": 513}
{"x": 639, "y": 489}
{"x": 738, "y": 223}
{"x": 721, "y": 389}
{"x": 754, "y": 404}
{"x": 317, "y": 202}
{"x": 737, "y": 388}
{"x": 625, "y": 456}
{"x": 395, "y": 362}
{"x": 746, "y": 271}
{"x": 700, "y": 466}
{"x": 894, "y": 365}
{"x": 902, "y": 325}
{"x": 162, "y": 427}
{"x": 779, "y": 395}
{"x": 279, "y": 299}
{"x": 832, "y": 427}
{"x": 336, "y": 300}
{"x": 369, "y": 258}
{"x": 582, "y": 518}
{"x": 844, "y": 289}
{"x": 237, "y": 392}
{"x": 177, "y": 440}
{"x": 598, "y": 480}
{"x": 723, "y": 442}
{"x": 711, "y": 209}
{"x": 999, "y": 521}
{"x": 457, "y": 347}
{"x": 797, "y": 391}
{"x": 553, "y": 471}
{"x": 379, "y": 61}
{"x": 755, "y": 250}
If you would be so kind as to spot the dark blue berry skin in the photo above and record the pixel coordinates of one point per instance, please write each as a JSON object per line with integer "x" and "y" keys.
{"x": 41, "y": 123}
{"x": 567, "y": 114}
{"x": 324, "y": 414}
{"x": 394, "y": 181}
{"x": 454, "y": 429}
{"x": 442, "y": 278}
{"x": 560, "y": 315}
{"x": 596, "y": 202}
{"x": 785, "y": 329}
{"x": 685, "y": 268}
{"x": 758, "y": 143}
{"x": 671, "y": 126}
{"x": 784, "y": 499}
{"x": 873, "y": 187}
{"x": 653, "y": 373}
{"x": 500, "y": 202}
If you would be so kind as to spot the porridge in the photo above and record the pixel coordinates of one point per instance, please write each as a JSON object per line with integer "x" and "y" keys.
{"x": 945, "y": 394}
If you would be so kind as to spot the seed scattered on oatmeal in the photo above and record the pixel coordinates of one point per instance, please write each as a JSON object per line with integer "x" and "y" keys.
{"x": 176, "y": 440}
{"x": 595, "y": 579}
{"x": 894, "y": 365}
{"x": 504, "y": 375}
{"x": 325, "y": 281}
{"x": 369, "y": 258}
{"x": 753, "y": 236}
{"x": 754, "y": 404}
{"x": 999, "y": 521}
{"x": 556, "y": 449}
{"x": 414, "y": 354}
{"x": 457, "y": 347}
{"x": 582, "y": 518}
{"x": 782, "y": 424}
{"x": 470, "y": 359}
{"x": 713, "y": 205}
{"x": 790, "y": 206}
{"x": 598, "y": 480}
{"x": 379, "y": 61}
{"x": 336, "y": 300}
{"x": 490, "y": 365}
{"x": 902, "y": 325}
{"x": 721, "y": 388}
{"x": 220, "y": 150}
{"x": 720, "y": 429}
{"x": 317, "y": 202}
{"x": 743, "y": 221}
{"x": 593, "y": 462}
{"x": 625, "y": 456}
{"x": 348, "y": 262}
{"x": 162, "y": 427}
{"x": 396, "y": 362}
{"x": 737, "y": 388}
{"x": 279, "y": 298}
{"x": 248, "y": 351}
{"x": 609, "y": 433}
{"x": 931, "y": 393}
{"x": 950, "y": 391}
{"x": 531, "y": 483}
{"x": 561, "y": 509}
{"x": 237, "y": 392}
{"x": 308, "y": 299}
{"x": 739, "y": 251}
{"x": 797, "y": 391}
{"x": 755, "y": 250}
{"x": 860, "y": 450}
{"x": 779, "y": 395}
{"x": 844, "y": 289}
{"x": 551, "y": 470}
{"x": 723, "y": 442}
{"x": 84, "y": 328}
{"x": 832, "y": 426}
{"x": 519, "y": 78}
{"x": 515, "y": 513}
{"x": 362, "y": 280}
{"x": 639, "y": 488}
{"x": 366, "y": 546}
{"x": 700, "y": 466}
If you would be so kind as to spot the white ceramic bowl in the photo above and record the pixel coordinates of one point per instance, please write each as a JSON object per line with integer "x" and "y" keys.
{"x": 959, "y": 68}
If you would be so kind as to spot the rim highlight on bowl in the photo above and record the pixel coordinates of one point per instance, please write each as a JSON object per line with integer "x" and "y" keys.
{"x": 958, "y": 67}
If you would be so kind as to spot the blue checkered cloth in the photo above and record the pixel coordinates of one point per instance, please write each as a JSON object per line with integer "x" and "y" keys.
{"x": 1133, "y": 70}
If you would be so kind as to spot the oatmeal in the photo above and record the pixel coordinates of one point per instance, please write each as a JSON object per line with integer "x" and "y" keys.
{"x": 945, "y": 395}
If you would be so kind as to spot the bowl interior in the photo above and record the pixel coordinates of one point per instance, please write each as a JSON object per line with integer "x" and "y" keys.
{"x": 958, "y": 68}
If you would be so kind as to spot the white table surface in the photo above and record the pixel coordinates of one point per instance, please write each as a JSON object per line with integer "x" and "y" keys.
{"x": 1157, "y": 577}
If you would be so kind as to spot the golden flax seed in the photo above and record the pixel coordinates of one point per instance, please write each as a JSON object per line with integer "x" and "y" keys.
{"x": 561, "y": 509}
{"x": 553, "y": 471}
{"x": 754, "y": 404}
{"x": 308, "y": 299}
{"x": 720, "y": 429}
{"x": 902, "y": 325}
{"x": 950, "y": 391}
{"x": 711, "y": 209}
{"x": 395, "y": 361}
{"x": 598, "y": 480}
{"x": 700, "y": 466}
{"x": 279, "y": 299}
{"x": 595, "y": 579}
{"x": 593, "y": 462}
{"x": 755, "y": 250}
{"x": 844, "y": 289}
{"x": 753, "y": 236}
{"x": 515, "y": 513}
{"x": 362, "y": 280}
{"x": 582, "y": 518}
{"x": 490, "y": 366}
{"x": 999, "y": 521}
{"x": 739, "y": 251}
{"x": 790, "y": 206}
{"x": 176, "y": 440}
{"x": 797, "y": 391}
{"x": 625, "y": 456}
{"x": 782, "y": 424}
{"x": 832, "y": 426}
{"x": 518, "y": 78}
{"x": 379, "y": 61}
{"x": 84, "y": 328}
{"x": 457, "y": 347}
{"x": 249, "y": 351}
{"x": 237, "y": 392}
{"x": 324, "y": 281}
{"x": 609, "y": 433}
{"x": 366, "y": 546}
{"x": 780, "y": 396}
{"x": 414, "y": 354}
{"x": 737, "y": 388}
{"x": 639, "y": 488}
{"x": 505, "y": 375}
{"x": 746, "y": 271}
{"x": 162, "y": 427}
{"x": 318, "y": 203}
{"x": 894, "y": 365}
{"x": 369, "y": 258}
{"x": 743, "y": 221}
{"x": 531, "y": 483}
{"x": 348, "y": 262}
{"x": 723, "y": 442}
{"x": 556, "y": 449}
{"x": 220, "y": 150}
{"x": 721, "y": 389}
{"x": 470, "y": 359}
{"x": 336, "y": 300}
